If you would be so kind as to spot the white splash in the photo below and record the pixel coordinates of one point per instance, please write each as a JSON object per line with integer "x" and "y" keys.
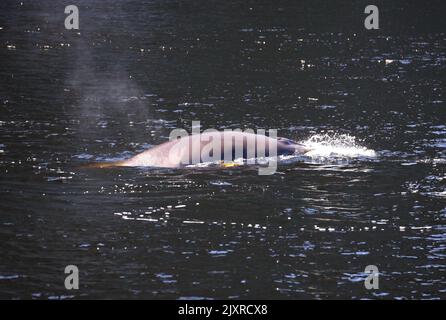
{"x": 336, "y": 146}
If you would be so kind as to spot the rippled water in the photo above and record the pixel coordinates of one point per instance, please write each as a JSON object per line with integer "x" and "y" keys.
{"x": 372, "y": 103}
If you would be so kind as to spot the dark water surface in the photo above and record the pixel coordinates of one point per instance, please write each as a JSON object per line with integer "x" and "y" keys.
{"x": 138, "y": 69}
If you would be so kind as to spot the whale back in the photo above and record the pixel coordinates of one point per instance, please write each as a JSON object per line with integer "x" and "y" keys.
{"x": 204, "y": 147}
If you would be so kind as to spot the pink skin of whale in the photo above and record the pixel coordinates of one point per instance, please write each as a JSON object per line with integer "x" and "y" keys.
{"x": 198, "y": 148}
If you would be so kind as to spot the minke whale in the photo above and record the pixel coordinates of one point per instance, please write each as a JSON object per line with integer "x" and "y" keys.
{"x": 213, "y": 146}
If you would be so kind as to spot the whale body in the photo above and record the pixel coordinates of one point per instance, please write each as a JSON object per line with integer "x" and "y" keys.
{"x": 211, "y": 146}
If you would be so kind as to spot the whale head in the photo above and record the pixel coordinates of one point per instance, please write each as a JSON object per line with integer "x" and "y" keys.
{"x": 287, "y": 146}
